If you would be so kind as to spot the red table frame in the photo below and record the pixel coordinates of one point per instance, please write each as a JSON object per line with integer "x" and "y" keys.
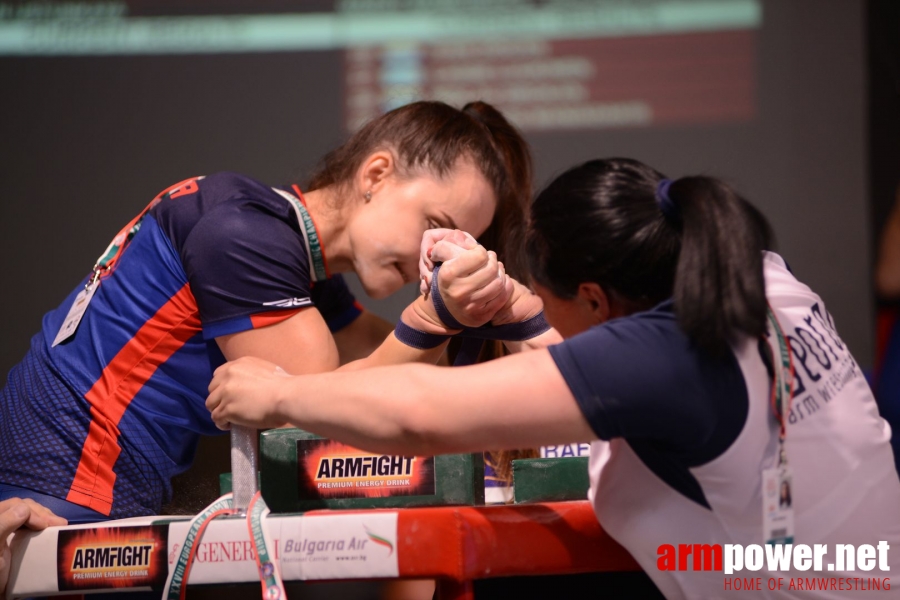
{"x": 468, "y": 542}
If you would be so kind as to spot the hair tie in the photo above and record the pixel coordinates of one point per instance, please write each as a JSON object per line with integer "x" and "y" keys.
{"x": 668, "y": 208}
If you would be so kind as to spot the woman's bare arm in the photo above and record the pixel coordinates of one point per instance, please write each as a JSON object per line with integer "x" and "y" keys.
{"x": 513, "y": 402}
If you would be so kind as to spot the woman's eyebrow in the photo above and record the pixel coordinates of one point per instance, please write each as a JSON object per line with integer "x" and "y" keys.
{"x": 449, "y": 220}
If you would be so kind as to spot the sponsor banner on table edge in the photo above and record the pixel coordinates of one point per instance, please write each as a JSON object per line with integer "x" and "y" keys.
{"x": 112, "y": 557}
{"x": 306, "y": 547}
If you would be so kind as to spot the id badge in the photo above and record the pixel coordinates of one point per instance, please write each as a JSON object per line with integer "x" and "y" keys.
{"x": 778, "y": 505}
{"x": 73, "y": 318}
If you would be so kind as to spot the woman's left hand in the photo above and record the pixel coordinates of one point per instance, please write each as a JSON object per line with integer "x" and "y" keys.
{"x": 246, "y": 392}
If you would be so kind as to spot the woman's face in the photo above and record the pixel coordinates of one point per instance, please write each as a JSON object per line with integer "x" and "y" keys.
{"x": 386, "y": 232}
{"x": 568, "y": 316}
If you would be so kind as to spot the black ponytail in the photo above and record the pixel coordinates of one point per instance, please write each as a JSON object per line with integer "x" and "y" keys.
{"x": 603, "y": 222}
{"x": 719, "y": 287}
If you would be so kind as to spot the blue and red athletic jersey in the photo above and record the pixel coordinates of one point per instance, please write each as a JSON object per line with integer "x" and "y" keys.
{"x": 106, "y": 418}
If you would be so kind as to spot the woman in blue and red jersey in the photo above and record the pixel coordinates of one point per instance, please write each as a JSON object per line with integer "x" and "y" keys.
{"x": 108, "y": 404}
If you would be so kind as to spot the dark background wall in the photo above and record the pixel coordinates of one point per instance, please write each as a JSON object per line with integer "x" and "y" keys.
{"x": 87, "y": 141}
{"x": 883, "y": 45}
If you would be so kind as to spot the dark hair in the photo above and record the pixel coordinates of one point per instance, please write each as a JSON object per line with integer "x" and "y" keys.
{"x": 601, "y": 222}
{"x": 434, "y": 136}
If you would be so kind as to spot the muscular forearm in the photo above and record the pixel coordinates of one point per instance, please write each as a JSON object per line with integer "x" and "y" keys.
{"x": 419, "y": 315}
{"x": 394, "y": 352}
{"x": 514, "y": 402}
{"x": 548, "y": 338}
{"x": 362, "y": 336}
{"x": 380, "y": 410}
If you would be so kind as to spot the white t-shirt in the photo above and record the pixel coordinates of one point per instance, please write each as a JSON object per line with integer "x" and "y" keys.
{"x": 687, "y": 437}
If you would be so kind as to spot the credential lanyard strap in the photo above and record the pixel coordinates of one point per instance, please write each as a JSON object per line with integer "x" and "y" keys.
{"x": 317, "y": 267}
{"x": 782, "y": 381}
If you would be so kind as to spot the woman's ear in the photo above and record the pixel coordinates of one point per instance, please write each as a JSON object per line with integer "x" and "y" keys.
{"x": 595, "y": 301}
{"x": 375, "y": 169}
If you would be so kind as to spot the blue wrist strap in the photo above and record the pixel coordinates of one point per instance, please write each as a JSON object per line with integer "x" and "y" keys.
{"x": 418, "y": 339}
{"x": 473, "y": 336}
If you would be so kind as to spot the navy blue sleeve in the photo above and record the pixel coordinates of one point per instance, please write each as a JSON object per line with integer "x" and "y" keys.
{"x": 244, "y": 265}
{"x": 639, "y": 377}
{"x": 336, "y": 302}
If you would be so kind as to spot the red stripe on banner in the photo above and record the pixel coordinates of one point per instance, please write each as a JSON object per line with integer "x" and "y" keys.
{"x": 157, "y": 340}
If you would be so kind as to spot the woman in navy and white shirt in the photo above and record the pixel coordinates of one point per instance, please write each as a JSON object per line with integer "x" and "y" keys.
{"x": 674, "y": 316}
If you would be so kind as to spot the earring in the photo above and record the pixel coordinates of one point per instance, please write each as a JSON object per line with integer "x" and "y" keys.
{"x": 368, "y": 195}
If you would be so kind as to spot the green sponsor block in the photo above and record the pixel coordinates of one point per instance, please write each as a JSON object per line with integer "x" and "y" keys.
{"x": 550, "y": 479}
{"x": 225, "y": 485}
{"x": 301, "y": 471}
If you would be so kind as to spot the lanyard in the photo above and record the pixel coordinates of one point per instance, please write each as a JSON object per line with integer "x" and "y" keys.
{"x": 317, "y": 265}
{"x": 318, "y": 268}
{"x": 262, "y": 543}
{"x": 112, "y": 253}
{"x": 109, "y": 257}
{"x": 782, "y": 382}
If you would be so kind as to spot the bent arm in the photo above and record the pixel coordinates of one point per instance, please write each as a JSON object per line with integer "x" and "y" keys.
{"x": 514, "y": 402}
{"x": 362, "y": 336}
{"x": 548, "y": 338}
{"x": 300, "y": 344}
{"x": 394, "y": 352}
{"x": 421, "y": 316}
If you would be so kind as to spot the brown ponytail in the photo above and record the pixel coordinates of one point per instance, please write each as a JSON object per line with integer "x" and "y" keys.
{"x": 512, "y": 184}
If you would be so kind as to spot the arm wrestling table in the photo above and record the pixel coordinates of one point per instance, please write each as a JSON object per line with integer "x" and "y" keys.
{"x": 469, "y": 543}
{"x": 454, "y": 545}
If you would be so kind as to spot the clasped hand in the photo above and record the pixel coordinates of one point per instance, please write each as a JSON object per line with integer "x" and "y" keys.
{"x": 472, "y": 282}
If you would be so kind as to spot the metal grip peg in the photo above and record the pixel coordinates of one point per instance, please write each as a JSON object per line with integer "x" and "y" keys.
{"x": 244, "y": 466}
